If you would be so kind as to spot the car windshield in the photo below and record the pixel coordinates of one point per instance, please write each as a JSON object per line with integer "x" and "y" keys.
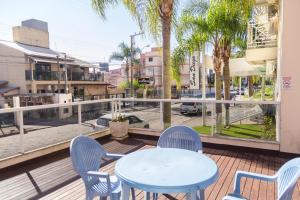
{"x": 188, "y": 104}
{"x": 103, "y": 121}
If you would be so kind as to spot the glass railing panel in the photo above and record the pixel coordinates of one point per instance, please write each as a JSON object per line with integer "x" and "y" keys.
{"x": 91, "y": 117}
{"x": 9, "y": 135}
{"x": 45, "y": 127}
{"x": 245, "y": 121}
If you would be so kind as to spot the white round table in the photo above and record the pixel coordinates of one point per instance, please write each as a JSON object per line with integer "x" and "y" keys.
{"x": 166, "y": 170}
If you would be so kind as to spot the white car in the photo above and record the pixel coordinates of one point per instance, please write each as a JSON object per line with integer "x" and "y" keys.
{"x": 190, "y": 108}
{"x": 134, "y": 122}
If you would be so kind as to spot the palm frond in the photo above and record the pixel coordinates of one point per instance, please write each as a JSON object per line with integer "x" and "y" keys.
{"x": 101, "y": 5}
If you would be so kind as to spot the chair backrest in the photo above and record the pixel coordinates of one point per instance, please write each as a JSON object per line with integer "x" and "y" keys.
{"x": 288, "y": 175}
{"x": 86, "y": 155}
{"x": 181, "y": 137}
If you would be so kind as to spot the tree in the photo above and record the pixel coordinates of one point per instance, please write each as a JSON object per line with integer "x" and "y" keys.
{"x": 202, "y": 17}
{"x": 157, "y": 16}
{"x": 124, "y": 53}
{"x": 220, "y": 23}
{"x": 235, "y": 15}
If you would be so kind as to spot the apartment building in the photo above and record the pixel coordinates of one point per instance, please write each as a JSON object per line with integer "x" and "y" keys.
{"x": 29, "y": 63}
{"x": 113, "y": 77}
{"x": 151, "y": 66}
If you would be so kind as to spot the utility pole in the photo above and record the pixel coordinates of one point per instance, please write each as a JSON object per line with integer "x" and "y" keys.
{"x": 66, "y": 76}
{"x": 131, "y": 61}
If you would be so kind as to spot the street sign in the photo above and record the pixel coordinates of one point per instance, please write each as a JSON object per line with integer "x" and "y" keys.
{"x": 194, "y": 71}
{"x": 145, "y": 80}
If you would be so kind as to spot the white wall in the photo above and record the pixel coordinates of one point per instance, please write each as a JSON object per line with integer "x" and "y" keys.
{"x": 12, "y": 67}
{"x": 290, "y": 67}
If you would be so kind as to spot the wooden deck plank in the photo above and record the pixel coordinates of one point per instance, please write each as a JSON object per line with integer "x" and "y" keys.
{"x": 55, "y": 179}
{"x": 263, "y": 185}
{"x": 227, "y": 186}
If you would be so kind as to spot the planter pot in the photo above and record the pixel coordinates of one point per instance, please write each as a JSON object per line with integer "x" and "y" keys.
{"x": 119, "y": 130}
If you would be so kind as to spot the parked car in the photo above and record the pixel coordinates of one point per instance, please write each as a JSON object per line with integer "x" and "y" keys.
{"x": 190, "y": 108}
{"x": 134, "y": 121}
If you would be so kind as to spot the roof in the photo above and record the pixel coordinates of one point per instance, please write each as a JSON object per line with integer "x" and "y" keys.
{"x": 31, "y": 50}
{"x": 8, "y": 89}
{"x": 50, "y": 56}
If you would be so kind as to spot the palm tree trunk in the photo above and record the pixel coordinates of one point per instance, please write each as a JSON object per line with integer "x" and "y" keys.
{"x": 166, "y": 76}
{"x": 217, "y": 68}
{"x": 250, "y": 86}
{"x": 226, "y": 50}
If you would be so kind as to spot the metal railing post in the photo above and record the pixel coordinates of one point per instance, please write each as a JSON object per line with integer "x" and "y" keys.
{"x": 21, "y": 128}
{"x": 79, "y": 114}
{"x": 212, "y": 118}
{"x": 161, "y": 115}
{"x": 119, "y": 105}
{"x": 278, "y": 110}
{"x": 112, "y": 109}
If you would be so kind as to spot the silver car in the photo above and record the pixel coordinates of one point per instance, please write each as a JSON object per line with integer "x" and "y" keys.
{"x": 190, "y": 108}
{"x": 134, "y": 121}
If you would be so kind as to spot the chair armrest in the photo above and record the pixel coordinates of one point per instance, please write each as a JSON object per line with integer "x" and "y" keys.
{"x": 240, "y": 174}
{"x": 101, "y": 175}
{"x": 114, "y": 156}
{"x": 98, "y": 174}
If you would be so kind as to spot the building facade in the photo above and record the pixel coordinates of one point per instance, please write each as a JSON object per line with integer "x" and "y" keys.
{"x": 31, "y": 65}
{"x": 151, "y": 67}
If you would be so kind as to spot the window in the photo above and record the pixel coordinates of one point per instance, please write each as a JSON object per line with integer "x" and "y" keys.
{"x": 66, "y": 110}
{"x": 150, "y": 59}
{"x": 133, "y": 120}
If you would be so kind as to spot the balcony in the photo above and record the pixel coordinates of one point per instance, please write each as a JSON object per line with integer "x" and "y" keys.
{"x": 44, "y": 76}
{"x": 56, "y": 75}
{"x": 39, "y": 134}
{"x": 81, "y": 76}
{"x": 53, "y": 177}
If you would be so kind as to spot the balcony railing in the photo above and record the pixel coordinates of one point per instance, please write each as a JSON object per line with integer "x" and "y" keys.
{"x": 81, "y": 76}
{"x": 261, "y": 36}
{"x": 44, "y": 76}
{"x": 56, "y": 75}
{"x": 52, "y": 124}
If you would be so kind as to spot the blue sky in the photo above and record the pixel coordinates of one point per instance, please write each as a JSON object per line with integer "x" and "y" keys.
{"x": 74, "y": 26}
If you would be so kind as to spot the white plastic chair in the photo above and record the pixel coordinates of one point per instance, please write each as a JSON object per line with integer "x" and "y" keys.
{"x": 86, "y": 155}
{"x": 286, "y": 179}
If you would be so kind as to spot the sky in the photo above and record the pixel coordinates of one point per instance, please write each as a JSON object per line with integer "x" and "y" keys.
{"x": 74, "y": 27}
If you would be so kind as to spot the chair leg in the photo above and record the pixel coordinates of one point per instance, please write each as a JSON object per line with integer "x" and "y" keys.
{"x": 115, "y": 196}
{"x": 155, "y": 196}
{"x": 147, "y": 195}
{"x": 200, "y": 195}
{"x": 132, "y": 193}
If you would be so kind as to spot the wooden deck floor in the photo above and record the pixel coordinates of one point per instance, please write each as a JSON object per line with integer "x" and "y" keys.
{"x": 52, "y": 177}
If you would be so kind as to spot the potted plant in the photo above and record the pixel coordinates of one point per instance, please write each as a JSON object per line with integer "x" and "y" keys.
{"x": 119, "y": 127}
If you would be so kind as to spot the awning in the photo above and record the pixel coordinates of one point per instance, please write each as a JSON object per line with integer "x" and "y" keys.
{"x": 49, "y": 60}
{"x": 240, "y": 67}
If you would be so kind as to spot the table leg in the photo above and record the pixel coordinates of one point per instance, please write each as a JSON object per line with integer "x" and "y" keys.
{"x": 125, "y": 192}
{"x": 200, "y": 195}
{"x": 147, "y": 195}
{"x": 191, "y": 196}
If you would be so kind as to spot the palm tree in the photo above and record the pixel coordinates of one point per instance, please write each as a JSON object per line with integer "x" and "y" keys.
{"x": 202, "y": 17}
{"x": 124, "y": 53}
{"x": 157, "y": 16}
{"x": 220, "y": 23}
{"x": 235, "y": 14}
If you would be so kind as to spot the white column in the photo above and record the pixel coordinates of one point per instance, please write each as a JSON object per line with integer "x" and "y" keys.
{"x": 79, "y": 114}
{"x": 19, "y": 122}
